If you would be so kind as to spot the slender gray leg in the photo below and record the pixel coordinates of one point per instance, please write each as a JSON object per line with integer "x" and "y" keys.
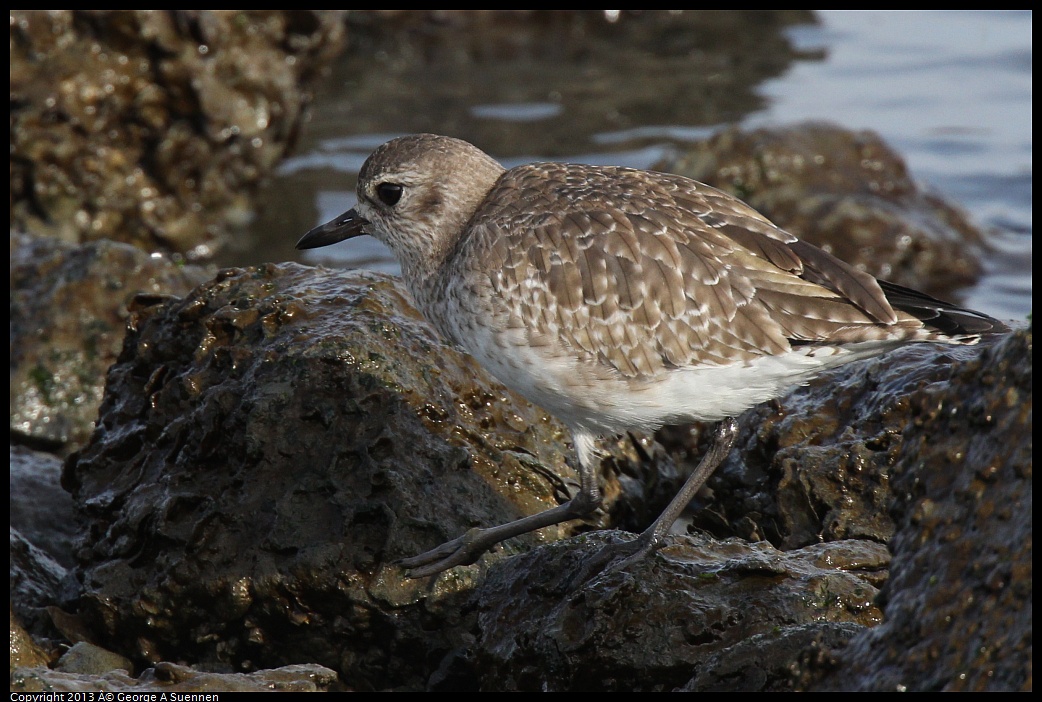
{"x": 468, "y": 548}
{"x": 616, "y": 557}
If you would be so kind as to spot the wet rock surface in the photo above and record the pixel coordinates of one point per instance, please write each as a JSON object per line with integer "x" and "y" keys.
{"x": 818, "y": 465}
{"x": 24, "y": 651}
{"x": 69, "y": 310}
{"x": 940, "y": 444}
{"x": 273, "y": 442}
{"x": 173, "y": 678}
{"x": 268, "y": 447}
{"x": 153, "y": 127}
{"x": 650, "y": 628}
{"x": 958, "y": 601}
{"x": 36, "y": 581}
{"x": 40, "y": 508}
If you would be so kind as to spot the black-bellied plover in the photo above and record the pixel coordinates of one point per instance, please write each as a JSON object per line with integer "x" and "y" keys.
{"x": 620, "y": 299}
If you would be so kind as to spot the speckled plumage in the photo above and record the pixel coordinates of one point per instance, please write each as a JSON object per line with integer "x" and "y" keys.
{"x": 618, "y": 298}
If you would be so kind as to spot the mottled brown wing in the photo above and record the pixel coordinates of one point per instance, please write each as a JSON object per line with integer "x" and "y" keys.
{"x": 675, "y": 274}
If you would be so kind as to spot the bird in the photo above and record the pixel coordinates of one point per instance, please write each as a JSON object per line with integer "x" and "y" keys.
{"x": 620, "y": 299}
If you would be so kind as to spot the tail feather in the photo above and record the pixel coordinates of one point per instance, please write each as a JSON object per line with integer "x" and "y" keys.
{"x": 942, "y": 317}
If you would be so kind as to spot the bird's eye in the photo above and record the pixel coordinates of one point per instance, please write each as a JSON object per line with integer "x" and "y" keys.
{"x": 389, "y": 193}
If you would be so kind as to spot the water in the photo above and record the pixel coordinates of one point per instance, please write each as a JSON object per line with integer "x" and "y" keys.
{"x": 949, "y": 90}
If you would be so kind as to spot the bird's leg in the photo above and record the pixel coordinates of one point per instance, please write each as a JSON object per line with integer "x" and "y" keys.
{"x": 468, "y": 548}
{"x": 616, "y": 557}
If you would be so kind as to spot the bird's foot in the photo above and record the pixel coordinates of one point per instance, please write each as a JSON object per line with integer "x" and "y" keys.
{"x": 468, "y": 548}
{"x": 617, "y": 557}
{"x": 463, "y": 550}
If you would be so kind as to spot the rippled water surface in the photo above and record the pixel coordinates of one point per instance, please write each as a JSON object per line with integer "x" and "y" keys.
{"x": 949, "y": 90}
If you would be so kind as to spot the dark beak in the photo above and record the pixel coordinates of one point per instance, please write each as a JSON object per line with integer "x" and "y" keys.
{"x": 345, "y": 226}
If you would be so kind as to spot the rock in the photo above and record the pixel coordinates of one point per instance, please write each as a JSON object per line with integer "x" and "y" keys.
{"x": 958, "y": 601}
{"x": 41, "y": 511}
{"x": 650, "y": 628}
{"x": 68, "y": 316}
{"x": 170, "y": 678}
{"x": 268, "y": 447}
{"x": 154, "y": 127}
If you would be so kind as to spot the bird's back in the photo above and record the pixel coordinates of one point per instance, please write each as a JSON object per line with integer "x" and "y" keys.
{"x": 652, "y": 274}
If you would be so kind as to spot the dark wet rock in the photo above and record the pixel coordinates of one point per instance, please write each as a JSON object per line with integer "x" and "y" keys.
{"x": 958, "y": 601}
{"x": 269, "y": 445}
{"x": 847, "y": 192}
{"x": 87, "y": 659}
{"x": 267, "y": 448}
{"x": 930, "y": 445}
{"x": 155, "y": 127}
{"x": 770, "y": 662}
{"x": 41, "y": 510}
{"x": 652, "y": 627}
{"x": 36, "y": 581}
{"x": 25, "y": 652}
{"x": 68, "y": 316}
{"x": 816, "y": 465}
{"x": 170, "y": 678}
{"x": 43, "y": 533}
